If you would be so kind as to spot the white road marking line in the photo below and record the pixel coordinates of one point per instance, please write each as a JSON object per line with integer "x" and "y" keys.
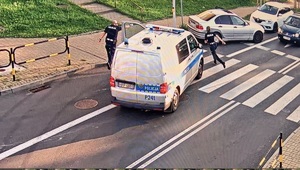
{"x": 292, "y": 57}
{"x": 278, "y": 52}
{"x": 268, "y": 91}
{"x": 251, "y": 47}
{"x": 291, "y": 68}
{"x": 276, "y": 107}
{"x": 247, "y": 84}
{"x": 249, "y": 44}
{"x": 54, "y": 132}
{"x": 187, "y": 136}
{"x": 228, "y": 78}
{"x": 288, "y": 66}
{"x": 179, "y": 135}
{"x": 295, "y": 116}
{"x": 216, "y": 69}
{"x": 263, "y": 48}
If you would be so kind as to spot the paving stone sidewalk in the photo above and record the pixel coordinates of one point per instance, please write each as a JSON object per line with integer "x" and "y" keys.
{"x": 86, "y": 53}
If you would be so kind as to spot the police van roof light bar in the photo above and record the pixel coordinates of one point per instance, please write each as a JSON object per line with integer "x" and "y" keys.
{"x": 165, "y": 29}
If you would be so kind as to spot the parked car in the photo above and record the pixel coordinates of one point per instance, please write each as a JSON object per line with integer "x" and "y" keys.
{"x": 271, "y": 15}
{"x": 226, "y": 24}
{"x": 290, "y": 30}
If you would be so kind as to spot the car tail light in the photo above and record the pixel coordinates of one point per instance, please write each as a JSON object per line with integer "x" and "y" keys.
{"x": 199, "y": 26}
{"x": 163, "y": 88}
{"x": 112, "y": 82}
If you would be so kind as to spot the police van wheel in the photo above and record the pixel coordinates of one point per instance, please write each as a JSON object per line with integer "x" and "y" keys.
{"x": 200, "y": 69}
{"x": 175, "y": 101}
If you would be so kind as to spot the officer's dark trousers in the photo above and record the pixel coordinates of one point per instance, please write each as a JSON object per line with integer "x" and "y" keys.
{"x": 213, "y": 48}
{"x": 110, "y": 49}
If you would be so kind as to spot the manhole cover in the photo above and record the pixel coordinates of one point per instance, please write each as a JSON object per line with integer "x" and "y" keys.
{"x": 86, "y": 104}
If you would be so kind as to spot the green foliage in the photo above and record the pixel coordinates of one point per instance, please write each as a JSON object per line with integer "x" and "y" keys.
{"x": 46, "y": 18}
{"x": 147, "y": 10}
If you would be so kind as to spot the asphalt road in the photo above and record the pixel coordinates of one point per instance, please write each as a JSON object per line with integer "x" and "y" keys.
{"x": 219, "y": 124}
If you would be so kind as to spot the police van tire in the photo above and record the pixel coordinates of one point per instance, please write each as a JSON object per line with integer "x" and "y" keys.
{"x": 258, "y": 37}
{"x": 175, "y": 101}
{"x": 200, "y": 70}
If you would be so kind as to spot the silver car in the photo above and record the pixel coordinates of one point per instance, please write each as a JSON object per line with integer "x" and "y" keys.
{"x": 226, "y": 24}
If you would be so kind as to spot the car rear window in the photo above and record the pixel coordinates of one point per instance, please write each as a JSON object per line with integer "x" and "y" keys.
{"x": 206, "y": 15}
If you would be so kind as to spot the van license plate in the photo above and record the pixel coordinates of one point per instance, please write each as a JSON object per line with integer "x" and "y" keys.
{"x": 286, "y": 38}
{"x": 125, "y": 85}
{"x": 149, "y": 97}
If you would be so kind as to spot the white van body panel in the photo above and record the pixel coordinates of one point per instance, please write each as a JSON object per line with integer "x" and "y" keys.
{"x": 145, "y": 66}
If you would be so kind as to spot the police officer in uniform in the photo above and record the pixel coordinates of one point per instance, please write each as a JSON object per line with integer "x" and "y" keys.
{"x": 210, "y": 39}
{"x": 111, "y": 40}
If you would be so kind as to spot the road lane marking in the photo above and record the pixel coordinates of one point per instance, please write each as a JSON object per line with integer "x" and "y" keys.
{"x": 228, "y": 78}
{"x": 278, "y": 52}
{"x": 276, "y": 107}
{"x": 263, "y": 48}
{"x": 187, "y": 136}
{"x": 54, "y": 132}
{"x": 236, "y": 91}
{"x": 287, "y": 67}
{"x": 179, "y": 135}
{"x": 268, "y": 91}
{"x": 251, "y": 47}
{"x": 216, "y": 69}
{"x": 291, "y": 68}
{"x": 295, "y": 116}
{"x": 292, "y": 57}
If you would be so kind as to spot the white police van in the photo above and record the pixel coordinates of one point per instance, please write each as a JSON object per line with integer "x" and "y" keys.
{"x": 153, "y": 66}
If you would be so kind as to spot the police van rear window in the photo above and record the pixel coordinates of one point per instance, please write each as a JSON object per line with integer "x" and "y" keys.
{"x": 206, "y": 15}
{"x": 138, "y": 63}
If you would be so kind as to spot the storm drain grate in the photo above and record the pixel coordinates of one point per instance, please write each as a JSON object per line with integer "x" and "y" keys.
{"x": 86, "y": 104}
{"x": 40, "y": 88}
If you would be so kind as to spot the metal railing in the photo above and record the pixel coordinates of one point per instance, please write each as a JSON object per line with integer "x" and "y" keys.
{"x": 12, "y": 54}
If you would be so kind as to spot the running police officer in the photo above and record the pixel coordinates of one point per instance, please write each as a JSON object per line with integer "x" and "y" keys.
{"x": 111, "y": 40}
{"x": 210, "y": 39}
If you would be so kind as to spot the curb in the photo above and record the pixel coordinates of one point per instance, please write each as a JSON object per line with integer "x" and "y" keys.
{"x": 268, "y": 164}
{"x": 49, "y": 79}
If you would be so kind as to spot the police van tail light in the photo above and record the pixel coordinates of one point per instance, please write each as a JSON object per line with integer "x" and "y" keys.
{"x": 199, "y": 26}
{"x": 163, "y": 88}
{"x": 112, "y": 82}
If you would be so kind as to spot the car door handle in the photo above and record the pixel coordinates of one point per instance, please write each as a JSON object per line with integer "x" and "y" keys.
{"x": 220, "y": 26}
{"x": 235, "y": 27}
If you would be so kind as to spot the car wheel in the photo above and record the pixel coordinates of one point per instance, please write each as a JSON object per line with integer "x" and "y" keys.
{"x": 275, "y": 27}
{"x": 282, "y": 40}
{"x": 200, "y": 69}
{"x": 175, "y": 101}
{"x": 258, "y": 37}
{"x": 216, "y": 40}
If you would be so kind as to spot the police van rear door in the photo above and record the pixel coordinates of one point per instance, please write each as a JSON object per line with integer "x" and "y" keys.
{"x": 129, "y": 29}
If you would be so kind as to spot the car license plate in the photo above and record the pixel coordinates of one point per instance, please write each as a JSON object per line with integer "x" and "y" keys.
{"x": 286, "y": 38}
{"x": 125, "y": 85}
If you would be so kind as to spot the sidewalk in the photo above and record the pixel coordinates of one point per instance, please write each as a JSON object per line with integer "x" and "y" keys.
{"x": 86, "y": 53}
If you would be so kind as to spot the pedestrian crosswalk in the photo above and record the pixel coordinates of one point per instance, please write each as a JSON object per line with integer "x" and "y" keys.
{"x": 264, "y": 92}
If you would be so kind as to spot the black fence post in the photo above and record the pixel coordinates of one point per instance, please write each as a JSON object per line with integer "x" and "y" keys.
{"x": 280, "y": 150}
{"x": 12, "y": 60}
{"x": 68, "y": 50}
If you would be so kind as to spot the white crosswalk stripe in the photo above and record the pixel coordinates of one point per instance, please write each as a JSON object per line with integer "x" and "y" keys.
{"x": 228, "y": 78}
{"x": 268, "y": 91}
{"x": 295, "y": 116}
{"x": 284, "y": 100}
{"x": 247, "y": 85}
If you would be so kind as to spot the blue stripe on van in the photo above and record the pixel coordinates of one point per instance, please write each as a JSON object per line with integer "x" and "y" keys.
{"x": 191, "y": 64}
{"x": 148, "y": 88}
